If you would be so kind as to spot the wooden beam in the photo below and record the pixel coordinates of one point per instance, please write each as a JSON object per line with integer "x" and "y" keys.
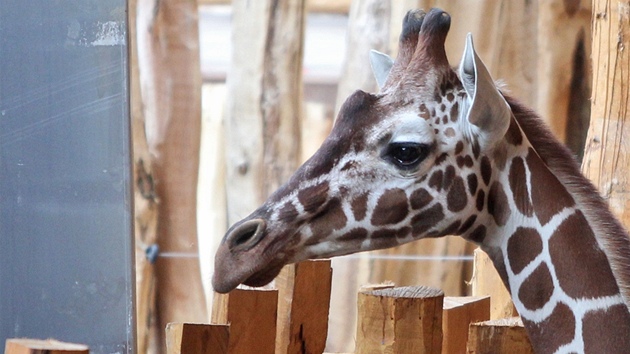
{"x": 459, "y": 313}
{"x": 326, "y": 6}
{"x": 47, "y": 346}
{"x": 400, "y": 320}
{"x": 252, "y": 315}
{"x": 197, "y": 338}
{"x": 487, "y": 282}
{"x": 499, "y": 336}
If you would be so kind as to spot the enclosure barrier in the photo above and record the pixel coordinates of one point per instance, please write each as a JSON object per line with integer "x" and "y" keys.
{"x": 48, "y": 346}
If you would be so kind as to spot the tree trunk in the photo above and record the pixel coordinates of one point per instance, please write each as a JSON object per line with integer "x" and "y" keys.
{"x": 170, "y": 79}
{"x": 606, "y": 156}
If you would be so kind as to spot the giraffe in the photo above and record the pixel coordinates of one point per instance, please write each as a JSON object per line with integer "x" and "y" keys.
{"x": 442, "y": 151}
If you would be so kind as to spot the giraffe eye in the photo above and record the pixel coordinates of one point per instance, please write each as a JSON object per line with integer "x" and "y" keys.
{"x": 406, "y": 155}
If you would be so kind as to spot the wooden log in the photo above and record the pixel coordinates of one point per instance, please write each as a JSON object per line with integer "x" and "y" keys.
{"x": 252, "y": 315}
{"x": 486, "y": 282}
{"x": 197, "y": 338}
{"x": 145, "y": 199}
{"x": 308, "y": 322}
{"x": 328, "y": 6}
{"x": 607, "y": 153}
{"x": 170, "y": 83}
{"x": 400, "y": 320}
{"x": 459, "y": 313}
{"x": 38, "y": 346}
{"x": 499, "y": 336}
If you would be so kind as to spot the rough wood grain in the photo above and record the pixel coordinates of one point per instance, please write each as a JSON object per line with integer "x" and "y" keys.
{"x": 607, "y": 153}
{"x": 459, "y": 313}
{"x": 252, "y": 315}
{"x": 170, "y": 83}
{"x": 197, "y": 338}
{"x": 400, "y": 320}
{"x": 47, "y": 346}
{"x": 499, "y": 336}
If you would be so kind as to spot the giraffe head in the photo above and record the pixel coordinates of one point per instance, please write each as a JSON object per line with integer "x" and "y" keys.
{"x": 407, "y": 163}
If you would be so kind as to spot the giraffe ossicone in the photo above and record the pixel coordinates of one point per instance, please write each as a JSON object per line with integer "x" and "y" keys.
{"x": 438, "y": 152}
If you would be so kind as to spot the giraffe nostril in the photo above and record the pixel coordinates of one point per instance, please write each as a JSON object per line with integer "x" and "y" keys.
{"x": 246, "y": 235}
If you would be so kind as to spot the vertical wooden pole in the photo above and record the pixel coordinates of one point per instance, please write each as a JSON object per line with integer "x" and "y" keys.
{"x": 170, "y": 82}
{"x": 607, "y": 153}
{"x": 487, "y": 282}
{"x": 145, "y": 197}
{"x": 499, "y": 336}
{"x": 197, "y": 338}
{"x": 400, "y": 320}
{"x": 252, "y": 315}
{"x": 459, "y": 313}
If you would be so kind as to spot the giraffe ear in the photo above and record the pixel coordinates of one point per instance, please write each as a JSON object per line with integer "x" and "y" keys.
{"x": 487, "y": 111}
{"x": 381, "y": 65}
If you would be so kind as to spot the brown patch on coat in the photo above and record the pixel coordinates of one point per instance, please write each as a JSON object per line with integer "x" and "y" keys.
{"x": 606, "y": 331}
{"x": 449, "y": 176}
{"x": 478, "y": 234}
{"x": 331, "y": 218}
{"x": 288, "y": 212}
{"x": 546, "y": 341}
{"x": 435, "y": 181}
{"x": 574, "y": 241}
{"x": 486, "y": 170}
{"x": 420, "y": 198}
{"x": 481, "y": 200}
{"x": 392, "y": 207}
{"x": 313, "y": 197}
{"x": 473, "y": 183}
{"x": 513, "y": 135}
{"x": 537, "y": 289}
{"x": 524, "y": 245}
{"x": 359, "y": 206}
{"x": 358, "y": 234}
{"x": 456, "y": 199}
{"x": 498, "y": 205}
{"x": 426, "y": 219}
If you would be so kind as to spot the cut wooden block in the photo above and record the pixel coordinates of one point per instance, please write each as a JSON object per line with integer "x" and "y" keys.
{"x": 38, "y": 346}
{"x": 487, "y": 282}
{"x": 499, "y": 336}
{"x": 459, "y": 313}
{"x": 196, "y": 338}
{"x": 306, "y": 323}
{"x": 400, "y": 320}
{"x": 252, "y": 316}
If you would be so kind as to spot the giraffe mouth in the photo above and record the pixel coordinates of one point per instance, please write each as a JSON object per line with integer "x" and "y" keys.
{"x": 265, "y": 276}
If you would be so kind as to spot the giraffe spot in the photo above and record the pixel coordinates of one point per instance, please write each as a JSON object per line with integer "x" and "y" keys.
{"x": 549, "y": 196}
{"x": 459, "y": 147}
{"x": 476, "y": 149}
{"x": 518, "y": 185}
{"x": 288, "y": 212}
{"x": 498, "y": 205}
{"x": 449, "y": 132}
{"x": 313, "y": 197}
{"x": 424, "y": 112}
{"x": 450, "y": 229}
{"x": 454, "y": 112}
{"x": 359, "y": 206}
{"x": 392, "y": 207}
{"x": 537, "y": 289}
{"x": 464, "y": 161}
{"x": 523, "y": 246}
{"x": 358, "y": 234}
{"x": 513, "y": 135}
{"x": 449, "y": 175}
{"x": 456, "y": 199}
{"x": 574, "y": 241}
{"x": 426, "y": 219}
{"x": 450, "y": 97}
{"x": 420, "y": 198}
{"x": 467, "y": 224}
{"x": 443, "y": 107}
{"x": 499, "y": 156}
{"x": 486, "y": 170}
{"x": 391, "y": 233}
{"x": 473, "y": 183}
{"x": 437, "y": 120}
{"x": 561, "y": 320}
{"x": 445, "y": 119}
{"x": 435, "y": 181}
{"x": 481, "y": 198}
{"x": 349, "y": 165}
{"x": 331, "y": 218}
{"x": 602, "y": 337}
{"x": 478, "y": 234}
{"x": 441, "y": 158}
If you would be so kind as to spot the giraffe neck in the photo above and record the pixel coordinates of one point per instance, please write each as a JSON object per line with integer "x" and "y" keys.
{"x": 553, "y": 256}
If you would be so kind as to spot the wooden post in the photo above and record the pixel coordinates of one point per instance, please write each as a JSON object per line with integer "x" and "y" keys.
{"x": 48, "y": 346}
{"x": 170, "y": 83}
{"x": 486, "y": 281}
{"x": 499, "y": 336}
{"x": 197, "y": 338}
{"x": 308, "y": 323}
{"x": 252, "y": 316}
{"x": 607, "y": 153}
{"x": 400, "y": 320}
{"x": 459, "y": 313}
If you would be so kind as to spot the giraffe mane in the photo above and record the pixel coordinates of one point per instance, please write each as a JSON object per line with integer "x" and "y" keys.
{"x": 610, "y": 234}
